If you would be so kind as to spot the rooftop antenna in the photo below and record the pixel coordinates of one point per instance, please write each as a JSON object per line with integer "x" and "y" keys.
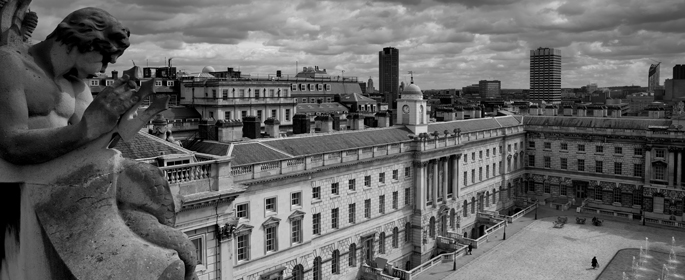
{"x": 411, "y": 73}
{"x": 134, "y": 63}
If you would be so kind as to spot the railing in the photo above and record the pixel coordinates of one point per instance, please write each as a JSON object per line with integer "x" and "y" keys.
{"x": 375, "y": 273}
{"x": 187, "y": 172}
{"x": 665, "y": 222}
{"x": 591, "y": 210}
{"x": 412, "y": 274}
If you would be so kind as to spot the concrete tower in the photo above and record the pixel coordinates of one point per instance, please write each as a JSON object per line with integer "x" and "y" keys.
{"x": 545, "y": 75}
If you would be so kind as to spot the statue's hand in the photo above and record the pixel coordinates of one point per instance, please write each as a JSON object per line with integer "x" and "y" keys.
{"x": 104, "y": 112}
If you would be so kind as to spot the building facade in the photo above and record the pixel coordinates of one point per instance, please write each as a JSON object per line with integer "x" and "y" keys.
{"x": 489, "y": 89}
{"x": 545, "y": 75}
{"x": 653, "y": 77}
{"x": 389, "y": 74}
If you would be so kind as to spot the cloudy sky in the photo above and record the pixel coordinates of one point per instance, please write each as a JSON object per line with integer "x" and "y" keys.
{"x": 447, "y": 43}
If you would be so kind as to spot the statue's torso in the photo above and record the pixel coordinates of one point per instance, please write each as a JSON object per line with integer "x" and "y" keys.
{"x": 51, "y": 103}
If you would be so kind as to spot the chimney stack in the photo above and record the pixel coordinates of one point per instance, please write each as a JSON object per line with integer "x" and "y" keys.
{"x": 273, "y": 127}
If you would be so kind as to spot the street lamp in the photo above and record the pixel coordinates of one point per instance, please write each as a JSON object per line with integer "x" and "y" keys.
{"x": 536, "y": 208}
{"x": 505, "y": 229}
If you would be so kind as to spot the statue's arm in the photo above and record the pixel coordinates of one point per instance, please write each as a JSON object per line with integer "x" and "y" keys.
{"x": 18, "y": 143}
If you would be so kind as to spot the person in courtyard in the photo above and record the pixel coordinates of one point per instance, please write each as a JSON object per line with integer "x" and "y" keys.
{"x": 470, "y": 249}
{"x": 595, "y": 264}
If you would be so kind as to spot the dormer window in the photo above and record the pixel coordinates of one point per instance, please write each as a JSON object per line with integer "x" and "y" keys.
{"x": 109, "y": 82}
{"x": 158, "y": 83}
{"x": 319, "y": 87}
{"x": 170, "y": 83}
{"x": 94, "y": 83}
{"x": 328, "y": 87}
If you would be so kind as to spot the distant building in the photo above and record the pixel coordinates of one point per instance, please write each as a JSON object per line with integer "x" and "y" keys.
{"x": 388, "y": 74}
{"x": 591, "y": 87}
{"x": 471, "y": 91}
{"x": 369, "y": 86}
{"x": 653, "y": 77}
{"x": 489, "y": 89}
{"x": 638, "y": 102}
{"x": 679, "y": 72}
{"x": 545, "y": 75}
{"x": 675, "y": 89}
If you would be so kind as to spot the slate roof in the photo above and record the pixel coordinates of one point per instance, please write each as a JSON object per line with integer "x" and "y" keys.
{"x": 144, "y": 145}
{"x": 474, "y": 124}
{"x": 211, "y": 147}
{"x": 355, "y": 97}
{"x": 589, "y": 122}
{"x": 333, "y": 107}
{"x": 325, "y": 143}
{"x": 255, "y": 152}
{"x": 178, "y": 113}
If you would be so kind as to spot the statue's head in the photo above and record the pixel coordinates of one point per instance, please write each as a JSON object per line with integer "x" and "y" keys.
{"x": 93, "y": 30}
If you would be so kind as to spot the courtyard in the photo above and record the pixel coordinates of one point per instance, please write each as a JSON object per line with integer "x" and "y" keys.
{"x": 540, "y": 251}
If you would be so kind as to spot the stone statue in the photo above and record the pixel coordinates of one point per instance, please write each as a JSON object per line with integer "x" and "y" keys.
{"x": 79, "y": 210}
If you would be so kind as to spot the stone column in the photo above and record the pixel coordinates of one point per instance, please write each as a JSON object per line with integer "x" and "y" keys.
{"x": 434, "y": 185}
{"x": 671, "y": 167}
{"x": 226, "y": 259}
{"x": 455, "y": 177}
{"x": 445, "y": 178}
{"x": 679, "y": 172}
{"x": 648, "y": 165}
{"x": 419, "y": 185}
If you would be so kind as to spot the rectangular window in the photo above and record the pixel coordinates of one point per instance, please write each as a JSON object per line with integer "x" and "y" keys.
{"x": 303, "y": 87}
{"x": 287, "y": 114}
{"x": 259, "y": 114}
{"x": 563, "y": 162}
{"x": 334, "y": 218}
{"x": 295, "y": 199}
{"x": 109, "y": 82}
{"x": 407, "y": 171}
{"x": 395, "y": 174}
{"x": 198, "y": 241}
{"x": 367, "y": 208}
{"x": 581, "y": 148}
{"x": 243, "y": 210}
{"x": 531, "y": 144}
{"x": 548, "y": 145}
{"x": 352, "y": 212}
{"x": 660, "y": 153}
{"x": 328, "y": 87}
{"x": 581, "y": 165}
{"x": 638, "y": 170}
{"x": 618, "y": 168}
{"x": 94, "y": 83}
{"x": 659, "y": 172}
{"x": 270, "y": 204}
{"x": 270, "y": 239}
{"x": 473, "y": 176}
{"x": 334, "y": 188}
{"x": 170, "y": 83}
{"x": 509, "y": 147}
{"x": 351, "y": 184}
{"x": 214, "y": 93}
{"x": 480, "y": 154}
{"x": 158, "y": 83}
{"x": 367, "y": 181}
{"x": 562, "y": 190}
{"x": 395, "y": 198}
{"x": 243, "y": 247}
{"x": 531, "y": 160}
{"x": 618, "y": 150}
{"x": 599, "y": 166}
{"x": 243, "y": 114}
{"x": 224, "y": 94}
{"x": 548, "y": 162}
{"x": 599, "y": 149}
{"x": 407, "y": 196}
{"x": 316, "y": 223}
{"x": 466, "y": 176}
{"x": 381, "y": 177}
{"x": 516, "y": 146}
{"x": 316, "y": 193}
{"x": 319, "y": 87}
{"x": 296, "y": 231}
{"x": 547, "y": 188}
{"x": 273, "y": 113}
{"x": 564, "y": 146}
{"x": 487, "y": 152}
{"x": 480, "y": 173}
{"x": 466, "y": 158}
{"x": 381, "y": 204}
{"x": 487, "y": 171}
{"x": 293, "y": 87}
{"x": 638, "y": 151}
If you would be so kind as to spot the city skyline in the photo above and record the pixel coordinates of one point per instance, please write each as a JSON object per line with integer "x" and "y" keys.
{"x": 446, "y": 45}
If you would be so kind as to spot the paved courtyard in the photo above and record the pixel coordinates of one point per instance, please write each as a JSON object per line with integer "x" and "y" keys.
{"x": 539, "y": 251}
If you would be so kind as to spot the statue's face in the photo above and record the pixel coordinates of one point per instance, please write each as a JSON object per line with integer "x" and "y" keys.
{"x": 87, "y": 64}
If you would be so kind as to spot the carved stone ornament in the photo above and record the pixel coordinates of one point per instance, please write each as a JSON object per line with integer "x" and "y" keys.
{"x": 83, "y": 211}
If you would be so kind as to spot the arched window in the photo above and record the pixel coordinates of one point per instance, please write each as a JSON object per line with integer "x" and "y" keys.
{"x": 432, "y": 227}
{"x": 381, "y": 243}
{"x": 317, "y": 268}
{"x": 352, "y": 255}
{"x": 298, "y": 272}
{"x": 494, "y": 196}
{"x": 473, "y": 205}
{"x": 487, "y": 199}
{"x": 395, "y": 237}
{"x": 335, "y": 262}
{"x": 466, "y": 209}
{"x": 407, "y": 232}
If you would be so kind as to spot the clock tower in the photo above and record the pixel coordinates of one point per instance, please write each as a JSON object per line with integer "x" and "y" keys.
{"x": 412, "y": 109}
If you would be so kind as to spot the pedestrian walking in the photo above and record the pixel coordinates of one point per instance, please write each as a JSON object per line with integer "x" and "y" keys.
{"x": 470, "y": 249}
{"x": 595, "y": 264}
